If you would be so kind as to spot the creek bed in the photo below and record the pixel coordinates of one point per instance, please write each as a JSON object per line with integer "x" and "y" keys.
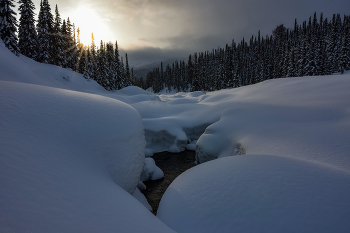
{"x": 172, "y": 165}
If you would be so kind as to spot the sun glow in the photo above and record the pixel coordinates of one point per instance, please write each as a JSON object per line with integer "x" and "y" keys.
{"x": 88, "y": 21}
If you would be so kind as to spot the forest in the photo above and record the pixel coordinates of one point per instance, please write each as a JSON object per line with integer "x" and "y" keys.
{"x": 316, "y": 47}
{"x": 53, "y": 41}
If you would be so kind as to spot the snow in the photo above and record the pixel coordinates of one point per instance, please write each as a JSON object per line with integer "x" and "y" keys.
{"x": 151, "y": 171}
{"x": 307, "y": 117}
{"x": 149, "y": 152}
{"x": 72, "y": 155}
{"x": 191, "y": 145}
{"x": 258, "y": 193}
{"x": 142, "y": 199}
{"x": 69, "y": 160}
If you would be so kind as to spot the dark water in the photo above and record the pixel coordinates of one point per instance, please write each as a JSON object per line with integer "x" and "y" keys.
{"x": 172, "y": 165}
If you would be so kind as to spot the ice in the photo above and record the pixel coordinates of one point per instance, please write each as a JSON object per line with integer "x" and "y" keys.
{"x": 258, "y": 193}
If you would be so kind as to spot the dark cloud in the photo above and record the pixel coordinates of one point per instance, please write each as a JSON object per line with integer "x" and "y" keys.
{"x": 146, "y": 55}
{"x": 160, "y": 29}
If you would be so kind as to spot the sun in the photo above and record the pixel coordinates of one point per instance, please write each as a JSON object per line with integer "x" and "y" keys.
{"x": 88, "y": 22}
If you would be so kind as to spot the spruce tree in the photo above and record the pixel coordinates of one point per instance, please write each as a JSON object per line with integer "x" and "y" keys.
{"x": 110, "y": 66}
{"x": 127, "y": 71}
{"x": 45, "y": 33}
{"x": 71, "y": 47}
{"x": 57, "y": 39}
{"x": 8, "y": 24}
{"x": 27, "y": 35}
{"x": 344, "y": 56}
{"x": 93, "y": 68}
{"x": 116, "y": 68}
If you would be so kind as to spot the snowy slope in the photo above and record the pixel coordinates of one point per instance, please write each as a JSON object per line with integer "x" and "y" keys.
{"x": 25, "y": 70}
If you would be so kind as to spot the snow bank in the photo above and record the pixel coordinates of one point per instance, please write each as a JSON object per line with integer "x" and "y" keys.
{"x": 306, "y": 118}
{"x": 66, "y": 160}
{"x": 258, "y": 193}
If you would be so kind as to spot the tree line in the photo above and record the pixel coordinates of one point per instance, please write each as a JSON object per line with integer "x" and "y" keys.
{"x": 316, "y": 47}
{"x": 53, "y": 41}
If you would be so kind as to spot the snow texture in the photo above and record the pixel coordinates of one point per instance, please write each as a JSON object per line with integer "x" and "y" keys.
{"x": 149, "y": 152}
{"x": 71, "y": 154}
{"x": 151, "y": 171}
{"x": 141, "y": 198}
{"x": 258, "y": 193}
{"x": 69, "y": 160}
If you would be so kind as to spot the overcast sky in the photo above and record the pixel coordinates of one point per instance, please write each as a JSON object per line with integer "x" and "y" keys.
{"x": 154, "y": 30}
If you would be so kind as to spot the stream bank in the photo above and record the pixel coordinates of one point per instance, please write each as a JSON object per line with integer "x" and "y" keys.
{"x": 172, "y": 165}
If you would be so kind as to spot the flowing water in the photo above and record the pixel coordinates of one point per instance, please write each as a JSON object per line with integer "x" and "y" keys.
{"x": 172, "y": 165}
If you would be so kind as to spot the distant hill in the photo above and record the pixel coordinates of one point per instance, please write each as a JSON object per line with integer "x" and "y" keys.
{"x": 142, "y": 70}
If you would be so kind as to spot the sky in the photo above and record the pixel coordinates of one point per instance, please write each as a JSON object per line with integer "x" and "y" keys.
{"x": 154, "y": 30}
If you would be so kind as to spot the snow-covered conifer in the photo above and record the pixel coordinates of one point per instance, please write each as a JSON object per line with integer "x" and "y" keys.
{"x": 8, "y": 24}
{"x": 57, "y": 39}
{"x": 45, "y": 33}
{"x": 27, "y": 36}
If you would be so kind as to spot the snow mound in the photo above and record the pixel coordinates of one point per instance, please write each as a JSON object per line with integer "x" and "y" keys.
{"x": 151, "y": 171}
{"x": 258, "y": 193}
{"x": 195, "y": 94}
{"x": 132, "y": 90}
{"x": 67, "y": 159}
{"x": 307, "y": 118}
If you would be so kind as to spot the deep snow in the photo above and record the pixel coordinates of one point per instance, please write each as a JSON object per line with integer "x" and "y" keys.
{"x": 68, "y": 160}
{"x": 71, "y": 154}
{"x": 258, "y": 193}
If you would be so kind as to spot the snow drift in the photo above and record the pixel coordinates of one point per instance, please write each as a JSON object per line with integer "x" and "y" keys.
{"x": 65, "y": 157}
{"x": 258, "y": 193}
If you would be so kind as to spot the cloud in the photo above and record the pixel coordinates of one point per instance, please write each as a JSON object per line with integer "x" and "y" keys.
{"x": 154, "y": 29}
{"x": 147, "y": 55}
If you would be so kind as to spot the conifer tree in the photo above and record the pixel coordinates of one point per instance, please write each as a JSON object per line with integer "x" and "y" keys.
{"x": 101, "y": 65}
{"x": 64, "y": 34}
{"x": 127, "y": 71}
{"x": 110, "y": 66}
{"x": 8, "y": 24}
{"x": 71, "y": 47}
{"x": 89, "y": 65}
{"x": 344, "y": 56}
{"x": 116, "y": 68}
{"x": 57, "y": 39}
{"x": 122, "y": 74}
{"x": 45, "y": 33}
{"x": 27, "y": 35}
{"x": 92, "y": 56}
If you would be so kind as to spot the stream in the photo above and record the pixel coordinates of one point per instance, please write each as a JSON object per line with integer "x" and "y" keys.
{"x": 172, "y": 165}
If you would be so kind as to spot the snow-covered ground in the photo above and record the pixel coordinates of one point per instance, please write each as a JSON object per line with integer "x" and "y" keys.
{"x": 71, "y": 154}
{"x": 69, "y": 160}
{"x": 258, "y": 193}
